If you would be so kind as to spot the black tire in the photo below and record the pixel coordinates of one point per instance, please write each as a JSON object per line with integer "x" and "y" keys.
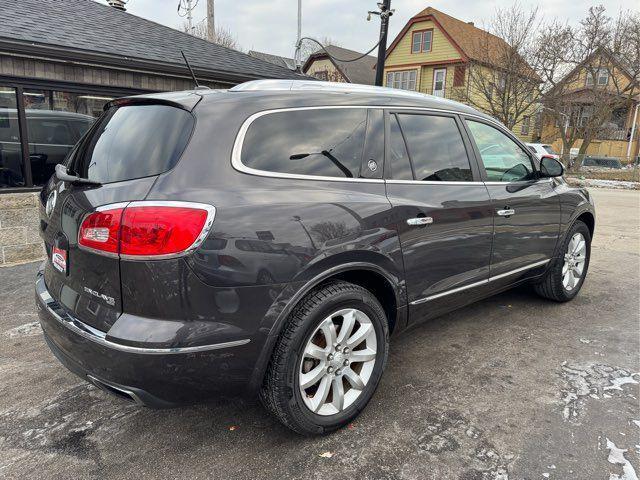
{"x": 280, "y": 392}
{"x": 551, "y": 286}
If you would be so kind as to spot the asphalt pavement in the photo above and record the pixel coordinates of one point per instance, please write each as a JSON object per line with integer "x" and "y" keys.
{"x": 513, "y": 387}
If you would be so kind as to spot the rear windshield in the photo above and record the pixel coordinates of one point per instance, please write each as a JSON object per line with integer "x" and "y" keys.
{"x": 133, "y": 141}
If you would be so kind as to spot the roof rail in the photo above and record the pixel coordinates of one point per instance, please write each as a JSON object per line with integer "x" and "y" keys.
{"x": 334, "y": 87}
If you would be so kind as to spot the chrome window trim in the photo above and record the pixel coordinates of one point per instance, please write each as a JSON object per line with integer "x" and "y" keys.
{"x": 433, "y": 182}
{"x": 211, "y": 215}
{"x": 481, "y": 282}
{"x": 99, "y": 337}
{"x": 236, "y": 154}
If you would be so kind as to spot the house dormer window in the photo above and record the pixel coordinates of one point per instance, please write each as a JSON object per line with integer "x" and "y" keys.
{"x": 601, "y": 75}
{"x": 421, "y": 41}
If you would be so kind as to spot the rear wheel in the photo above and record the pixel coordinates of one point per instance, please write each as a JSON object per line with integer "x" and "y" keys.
{"x": 565, "y": 277}
{"x": 329, "y": 359}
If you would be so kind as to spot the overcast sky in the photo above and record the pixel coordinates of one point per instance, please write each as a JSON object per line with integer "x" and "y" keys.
{"x": 270, "y": 25}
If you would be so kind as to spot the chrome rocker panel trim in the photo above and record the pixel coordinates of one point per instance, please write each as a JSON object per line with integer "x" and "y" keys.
{"x": 99, "y": 337}
{"x": 480, "y": 283}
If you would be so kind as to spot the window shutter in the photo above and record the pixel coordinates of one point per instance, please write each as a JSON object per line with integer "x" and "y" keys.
{"x": 458, "y": 76}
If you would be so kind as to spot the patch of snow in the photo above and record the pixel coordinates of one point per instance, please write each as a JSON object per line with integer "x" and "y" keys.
{"x": 637, "y": 422}
{"x": 592, "y": 182}
{"x": 545, "y": 475}
{"x": 617, "y": 383}
{"x": 27, "y": 330}
{"x": 594, "y": 381}
{"x": 616, "y": 457}
{"x": 585, "y": 340}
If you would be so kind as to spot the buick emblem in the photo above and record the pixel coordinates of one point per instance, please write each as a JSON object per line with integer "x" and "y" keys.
{"x": 373, "y": 166}
{"x": 51, "y": 202}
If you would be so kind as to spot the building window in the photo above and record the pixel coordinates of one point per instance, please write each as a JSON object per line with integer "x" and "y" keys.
{"x": 11, "y": 168}
{"x": 585, "y": 114}
{"x": 54, "y": 121}
{"x": 458, "y": 76}
{"x": 323, "y": 75}
{"x": 524, "y": 128}
{"x": 601, "y": 76}
{"x": 421, "y": 41}
{"x": 405, "y": 79}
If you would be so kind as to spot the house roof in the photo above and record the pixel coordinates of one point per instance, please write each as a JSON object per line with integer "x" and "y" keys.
{"x": 472, "y": 42}
{"x": 286, "y": 62}
{"x": 624, "y": 67}
{"x": 81, "y": 28}
{"x": 360, "y": 71}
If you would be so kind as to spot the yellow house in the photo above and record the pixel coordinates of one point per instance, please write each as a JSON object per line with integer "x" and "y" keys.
{"x": 330, "y": 67}
{"x": 437, "y": 54}
{"x": 599, "y": 99}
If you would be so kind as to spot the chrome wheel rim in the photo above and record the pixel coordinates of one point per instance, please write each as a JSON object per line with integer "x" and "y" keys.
{"x": 337, "y": 362}
{"x": 574, "y": 260}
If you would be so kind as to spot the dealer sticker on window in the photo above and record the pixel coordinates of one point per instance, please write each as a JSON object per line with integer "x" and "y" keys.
{"x": 59, "y": 259}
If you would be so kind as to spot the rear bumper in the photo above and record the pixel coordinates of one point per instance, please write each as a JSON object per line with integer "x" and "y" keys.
{"x": 155, "y": 377}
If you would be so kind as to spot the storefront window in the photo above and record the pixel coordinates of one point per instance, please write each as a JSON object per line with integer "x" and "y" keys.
{"x": 11, "y": 172}
{"x": 55, "y": 121}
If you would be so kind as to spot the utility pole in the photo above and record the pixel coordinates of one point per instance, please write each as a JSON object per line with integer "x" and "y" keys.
{"x": 299, "y": 22}
{"x": 188, "y": 9}
{"x": 385, "y": 12}
{"x": 211, "y": 25}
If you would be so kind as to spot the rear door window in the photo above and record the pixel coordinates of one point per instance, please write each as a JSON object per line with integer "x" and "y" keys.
{"x": 398, "y": 156}
{"x": 319, "y": 142}
{"x": 436, "y": 148}
{"x": 134, "y": 141}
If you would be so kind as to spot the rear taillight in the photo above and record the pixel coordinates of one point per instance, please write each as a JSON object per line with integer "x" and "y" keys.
{"x": 147, "y": 229}
{"x": 101, "y": 230}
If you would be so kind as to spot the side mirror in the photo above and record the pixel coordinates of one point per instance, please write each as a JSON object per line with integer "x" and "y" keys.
{"x": 550, "y": 167}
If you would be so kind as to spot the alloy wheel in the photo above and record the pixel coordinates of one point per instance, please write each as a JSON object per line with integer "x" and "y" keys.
{"x": 574, "y": 261}
{"x": 337, "y": 361}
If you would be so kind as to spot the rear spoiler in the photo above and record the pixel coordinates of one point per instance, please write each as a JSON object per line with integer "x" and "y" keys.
{"x": 184, "y": 100}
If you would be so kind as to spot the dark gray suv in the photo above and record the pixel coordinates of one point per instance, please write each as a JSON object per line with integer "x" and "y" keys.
{"x": 267, "y": 240}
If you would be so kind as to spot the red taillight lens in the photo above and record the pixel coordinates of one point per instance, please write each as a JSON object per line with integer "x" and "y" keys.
{"x": 160, "y": 230}
{"x": 145, "y": 229}
{"x": 101, "y": 230}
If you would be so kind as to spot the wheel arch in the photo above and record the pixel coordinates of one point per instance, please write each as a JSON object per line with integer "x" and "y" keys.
{"x": 383, "y": 284}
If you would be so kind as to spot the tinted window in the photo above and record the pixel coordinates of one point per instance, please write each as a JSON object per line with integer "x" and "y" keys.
{"x": 134, "y": 141}
{"x": 436, "y": 148}
{"x": 399, "y": 159}
{"x": 326, "y": 142}
{"x": 503, "y": 159}
{"x": 50, "y": 132}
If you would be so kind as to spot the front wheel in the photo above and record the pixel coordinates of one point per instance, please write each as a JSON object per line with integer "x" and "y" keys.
{"x": 565, "y": 277}
{"x": 328, "y": 360}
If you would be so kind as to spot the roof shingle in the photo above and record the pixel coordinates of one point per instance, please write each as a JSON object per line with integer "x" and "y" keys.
{"x": 85, "y": 25}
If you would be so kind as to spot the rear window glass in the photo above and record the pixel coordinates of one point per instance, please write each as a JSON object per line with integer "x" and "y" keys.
{"x": 326, "y": 142}
{"x": 436, "y": 148}
{"x": 134, "y": 141}
{"x": 550, "y": 149}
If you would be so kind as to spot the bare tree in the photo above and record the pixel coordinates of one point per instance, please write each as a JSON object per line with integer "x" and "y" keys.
{"x": 309, "y": 47}
{"x": 502, "y": 80}
{"x": 222, "y": 36}
{"x": 591, "y": 75}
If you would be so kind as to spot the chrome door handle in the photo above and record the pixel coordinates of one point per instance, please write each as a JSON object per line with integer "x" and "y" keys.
{"x": 506, "y": 212}
{"x": 417, "y": 221}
